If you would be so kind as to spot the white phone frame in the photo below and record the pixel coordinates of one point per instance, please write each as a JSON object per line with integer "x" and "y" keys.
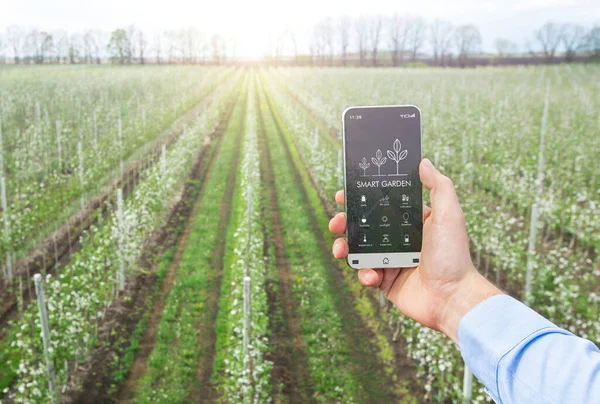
{"x": 380, "y": 260}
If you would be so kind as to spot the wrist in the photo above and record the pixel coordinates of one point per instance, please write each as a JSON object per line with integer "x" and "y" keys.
{"x": 473, "y": 289}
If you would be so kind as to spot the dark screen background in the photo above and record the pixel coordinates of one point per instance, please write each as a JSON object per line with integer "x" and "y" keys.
{"x": 388, "y": 218}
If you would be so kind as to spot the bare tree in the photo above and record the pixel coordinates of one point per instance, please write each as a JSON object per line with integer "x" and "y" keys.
{"x": 398, "y": 36}
{"x": 468, "y": 40}
{"x": 75, "y": 45}
{"x": 504, "y": 47}
{"x": 142, "y": 45}
{"x": 329, "y": 37}
{"x": 2, "y": 50}
{"x": 294, "y": 41}
{"x": 192, "y": 37}
{"x": 131, "y": 34}
{"x": 88, "y": 42}
{"x": 219, "y": 53}
{"x": 61, "y": 46}
{"x": 318, "y": 43}
{"x": 170, "y": 37}
{"x": 360, "y": 29}
{"x": 98, "y": 41}
{"x": 572, "y": 39}
{"x": 202, "y": 47}
{"x": 440, "y": 33}
{"x": 344, "y": 24}
{"x": 40, "y": 43}
{"x": 591, "y": 41}
{"x": 416, "y": 39}
{"x": 279, "y": 46}
{"x": 549, "y": 37}
{"x": 312, "y": 50}
{"x": 16, "y": 39}
{"x": 157, "y": 46}
{"x": 375, "y": 23}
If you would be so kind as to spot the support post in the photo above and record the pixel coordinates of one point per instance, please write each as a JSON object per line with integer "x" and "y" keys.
{"x": 39, "y": 291}
{"x": 120, "y": 225}
{"x": 531, "y": 251}
{"x": 467, "y": 385}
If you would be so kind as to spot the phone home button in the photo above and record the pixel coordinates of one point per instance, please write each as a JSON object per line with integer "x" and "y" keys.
{"x": 386, "y": 261}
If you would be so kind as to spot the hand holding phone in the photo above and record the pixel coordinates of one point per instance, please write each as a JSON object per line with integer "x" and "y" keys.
{"x": 445, "y": 285}
{"x": 384, "y": 203}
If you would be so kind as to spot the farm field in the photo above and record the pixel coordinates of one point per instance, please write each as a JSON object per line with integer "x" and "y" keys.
{"x": 179, "y": 216}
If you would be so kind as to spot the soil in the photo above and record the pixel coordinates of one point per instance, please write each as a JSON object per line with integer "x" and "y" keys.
{"x": 94, "y": 382}
{"x": 290, "y": 373}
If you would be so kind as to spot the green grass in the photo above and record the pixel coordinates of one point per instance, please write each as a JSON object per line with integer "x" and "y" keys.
{"x": 128, "y": 355}
{"x": 364, "y": 302}
{"x": 175, "y": 358}
{"x": 321, "y": 324}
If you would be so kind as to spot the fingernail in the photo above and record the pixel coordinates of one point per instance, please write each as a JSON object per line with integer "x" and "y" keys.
{"x": 427, "y": 163}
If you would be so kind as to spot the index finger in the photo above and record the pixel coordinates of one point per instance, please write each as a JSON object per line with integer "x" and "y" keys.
{"x": 339, "y": 197}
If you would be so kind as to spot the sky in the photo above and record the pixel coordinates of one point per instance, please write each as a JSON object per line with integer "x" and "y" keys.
{"x": 256, "y": 22}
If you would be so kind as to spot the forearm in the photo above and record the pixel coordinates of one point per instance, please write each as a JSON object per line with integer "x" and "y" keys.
{"x": 522, "y": 357}
{"x": 471, "y": 291}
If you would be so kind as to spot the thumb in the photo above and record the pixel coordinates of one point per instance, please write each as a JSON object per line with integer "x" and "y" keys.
{"x": 442, "y": 194}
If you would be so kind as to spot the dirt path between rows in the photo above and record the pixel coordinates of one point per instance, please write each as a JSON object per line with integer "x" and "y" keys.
{"x": 291, "y": 372}
{"x": 367, "y": 368}
{"x": 203, "y": 390}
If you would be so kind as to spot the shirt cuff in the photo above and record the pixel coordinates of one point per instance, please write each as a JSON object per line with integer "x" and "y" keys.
{"x": 492, "y": 329}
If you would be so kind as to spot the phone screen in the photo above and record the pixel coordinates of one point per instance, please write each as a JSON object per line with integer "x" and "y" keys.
{"x": 383, "y": 188}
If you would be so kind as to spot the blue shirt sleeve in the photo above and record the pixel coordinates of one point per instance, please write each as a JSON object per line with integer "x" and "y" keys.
{"x": 521, "y": 357}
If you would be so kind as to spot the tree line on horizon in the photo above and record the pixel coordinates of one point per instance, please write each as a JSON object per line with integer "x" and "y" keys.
{"x": 405, "y": 37}
{"x": 362, "y": 41}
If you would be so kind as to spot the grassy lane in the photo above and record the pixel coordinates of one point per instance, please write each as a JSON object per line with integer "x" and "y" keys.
{"x": 290, "y": 372}
{"x": 142, "y": 341}
{"x": 203, "y": 388}
{"x": 334, "y": 334}
{"x": 183, "y": 343}
{"x": 390, "y": 350}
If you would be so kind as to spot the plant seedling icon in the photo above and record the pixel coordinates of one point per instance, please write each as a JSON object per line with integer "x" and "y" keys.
{"x": 397, "y": 154}
{"x": 364, "y": 165}
{"x": 378, "y": 160}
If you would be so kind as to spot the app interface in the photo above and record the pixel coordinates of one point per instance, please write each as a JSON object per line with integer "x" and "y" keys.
{"x": 384, "y": 191}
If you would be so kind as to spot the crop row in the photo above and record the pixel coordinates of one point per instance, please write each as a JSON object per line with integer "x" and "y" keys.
{"x": 509, "y": 131}
{"x": 65, "y": 137}
{"x": 179, "y": 349}
{"x": 497, "y": 234}
{"x": 242, "y": 373}
{"x": 327, "y": 308}
{"x": 78, "y": 296}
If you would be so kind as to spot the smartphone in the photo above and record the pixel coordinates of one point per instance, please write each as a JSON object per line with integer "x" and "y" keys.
{"x": 383, "y": 190}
